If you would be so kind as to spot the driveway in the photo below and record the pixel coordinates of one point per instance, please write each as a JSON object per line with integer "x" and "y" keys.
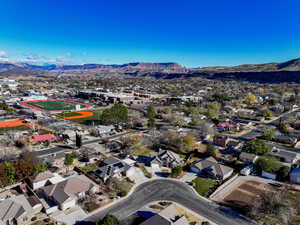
{"x": 138, "y": 176}
{"x": 188, "y": 177}
{"x": 69, "y": 216}
{"x": 170, "y": 190}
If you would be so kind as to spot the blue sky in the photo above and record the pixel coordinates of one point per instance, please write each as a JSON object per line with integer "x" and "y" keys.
{"x": 190, "y": 32}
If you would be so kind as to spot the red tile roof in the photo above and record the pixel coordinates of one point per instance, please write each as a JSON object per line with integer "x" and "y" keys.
{"x": 43, "y": 137}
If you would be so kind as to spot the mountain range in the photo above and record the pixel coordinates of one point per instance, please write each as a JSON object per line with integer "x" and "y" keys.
{"x": 269, "y": 72}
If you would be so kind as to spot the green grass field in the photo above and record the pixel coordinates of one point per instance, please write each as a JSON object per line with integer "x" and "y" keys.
{"x": 19, "y": 128}
{"x": 55, "y": 105}
{"x": 92, "y": 120}
{"x": 203, "y": 185}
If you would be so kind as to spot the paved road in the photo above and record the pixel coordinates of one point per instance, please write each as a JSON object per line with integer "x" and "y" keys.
{"x": 169, "y": 190}
{"x": 61, "y": 149}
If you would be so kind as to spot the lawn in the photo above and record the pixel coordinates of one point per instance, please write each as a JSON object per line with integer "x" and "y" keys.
{"x": 147, "y": 152}
{"x": 90, "y": 120}
{"x": 69, "y": 114}
{"x": 204, "y": 185}
{"x": 89, "y": 168}
{"x": 14, "y": 129}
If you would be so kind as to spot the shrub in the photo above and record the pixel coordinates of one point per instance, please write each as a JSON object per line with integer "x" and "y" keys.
{"x": 176, "y": 172}
{"x": 109, "y": 220}
{"x": 47, "y": 220}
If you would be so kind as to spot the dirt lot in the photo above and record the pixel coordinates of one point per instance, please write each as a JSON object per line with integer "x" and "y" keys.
{"x": 245, "y": 193}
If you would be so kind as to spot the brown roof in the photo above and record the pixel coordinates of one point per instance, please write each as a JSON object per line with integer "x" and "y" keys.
{"x": 43, "y": 176}
{"x": 33, "y": 200}
{"x": 168, "y": 216}
{"x": 248, "y": 156}
{"x": 208, "y": 162}
{"x": 67, "y": 188}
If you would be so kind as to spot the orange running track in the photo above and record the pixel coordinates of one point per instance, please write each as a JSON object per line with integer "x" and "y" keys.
{"x": 14, "y": 123}
{"x": 82, "y": 115}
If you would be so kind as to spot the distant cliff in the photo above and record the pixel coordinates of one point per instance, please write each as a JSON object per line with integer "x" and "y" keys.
{"x": 269, "y": 72}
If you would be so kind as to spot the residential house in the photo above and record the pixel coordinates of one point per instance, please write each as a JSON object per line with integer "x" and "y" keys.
{"x": 211, "y": 167}
{"x": 113, "y": 167}
{"x": 286, "y": 139}
{"x": 65, "y": 194}
{"x": 113, "y": 146}
{"x": 295, "y": 176}
{"x": 221, "y": 140}
{"x": 248, "y": 157}
{"x": 268, "y": 175}
{"x": 247, "y": 170}
{"x": 168, "y": 216}
{"x": 104, "y": 129}
{"x": 285, "y": 156}
{"x": 234, "y": 146}
{"x": 167, "y": 158}
{"x": 16, "y": 210}
{"x": 246, "y": 113}
{"x": 43, "y": 179}
{"x": 227, "y": 126}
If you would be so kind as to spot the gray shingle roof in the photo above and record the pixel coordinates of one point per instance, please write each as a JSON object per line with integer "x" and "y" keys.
{"x": 14, "y": 207}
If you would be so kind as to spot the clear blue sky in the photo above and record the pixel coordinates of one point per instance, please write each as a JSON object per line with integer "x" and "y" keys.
{"x": 190, "y": 32}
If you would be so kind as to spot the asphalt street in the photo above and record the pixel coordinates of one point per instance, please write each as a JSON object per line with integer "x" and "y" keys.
{"x": 169, "y": 190}
{"x": 61, "y": 149}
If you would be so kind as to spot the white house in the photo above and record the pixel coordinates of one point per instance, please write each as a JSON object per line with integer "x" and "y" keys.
{"x": 211, "y": 167}
{"x": 45, "y": 178}
{"x": 247, "y": 170}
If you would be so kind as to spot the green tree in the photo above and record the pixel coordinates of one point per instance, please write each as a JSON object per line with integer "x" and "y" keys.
{"x": 69, "y": 160}
{"x": 258, "y": 147}
{"x": 269, "y": 134}
{"x": 131, "y": 144}
{"x": 268, "y": 164}
{"x": 283, "y": 128}
{"x": 213, "y": 107}
{"x": 39, "y": 168}
{"x": 151, "y": 112}
{"x": 206, "y": 223}
{"x": 212, "y": 114}
{"x": 189, "y": 143}
{"x": 116, "y": 114}
{"x": 10, "y": 172}
{"x": 195, "y": 120}
{"x": 167, "y": 111}
{"x": 151, "y": 122}
{"x": 283, "y": 172}
{"x": 78, "y": 140}
{"x": 194, "y": 112}
{"x": 267, "y": 114}
{"x": 176, "y": 171}
{"x": 211, "y": 151}
{"x": 178, "y": 122}
{"x": 109, "y": 220}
